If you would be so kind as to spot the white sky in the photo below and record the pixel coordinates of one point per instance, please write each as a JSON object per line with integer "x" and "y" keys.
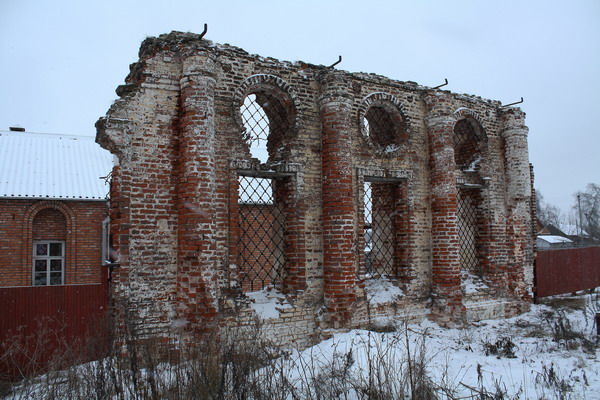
{"x": 61, "y": 61}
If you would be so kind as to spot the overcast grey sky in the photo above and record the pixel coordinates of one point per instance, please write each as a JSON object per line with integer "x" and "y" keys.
{"x": 61, "y": 61}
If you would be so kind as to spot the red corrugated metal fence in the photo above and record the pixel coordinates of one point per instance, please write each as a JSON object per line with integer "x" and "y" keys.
{"x": 567, "y": 270}
{"x": 35, "y": 322}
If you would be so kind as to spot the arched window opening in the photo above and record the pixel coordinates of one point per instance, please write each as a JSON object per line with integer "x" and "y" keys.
{"x": 265, "y": 197}
{"x": 49, "y": 237}
{"x": 468, "y": 144}
{"x": 469, "y": 153}
{"x": 266, "y": 118}
{"x": 256, "y": 124}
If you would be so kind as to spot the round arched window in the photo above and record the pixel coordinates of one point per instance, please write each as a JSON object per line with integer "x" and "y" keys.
{"x": 267, "y": 114}
{"x": 469, "y": 144}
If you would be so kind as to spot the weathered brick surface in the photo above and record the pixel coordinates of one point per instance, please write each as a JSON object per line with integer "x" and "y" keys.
{"x": 180, "y": 140}
{"x": 77, "y": 223}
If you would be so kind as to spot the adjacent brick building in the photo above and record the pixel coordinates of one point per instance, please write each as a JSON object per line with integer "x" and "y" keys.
{"x": 317, "y": 181}
{"x": 53, "y": 210}
{"x": 52, "y": 206}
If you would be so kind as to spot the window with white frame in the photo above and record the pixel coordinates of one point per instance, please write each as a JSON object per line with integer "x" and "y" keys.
{"x": 48, "y": 262}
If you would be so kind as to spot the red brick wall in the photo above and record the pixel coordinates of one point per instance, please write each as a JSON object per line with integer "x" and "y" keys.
{"x": 78, "y": 223}
{"x": 49, "y": 224}
{"x": 181, "y": 144}
{"x": 257, "y": 246}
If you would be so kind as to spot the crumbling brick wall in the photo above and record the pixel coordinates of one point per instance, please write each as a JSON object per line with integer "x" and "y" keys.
{"x": 182, "y": 145}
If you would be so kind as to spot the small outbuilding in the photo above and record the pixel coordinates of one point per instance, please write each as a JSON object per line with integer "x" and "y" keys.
{"x": 547, "y": 242}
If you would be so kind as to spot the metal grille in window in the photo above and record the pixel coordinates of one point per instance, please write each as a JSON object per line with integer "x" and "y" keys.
{"x": 261, "y": 234}
{"x": 379, "y": 229}
{"x": 380, "y": 125}
{"x": 266, "y": 118}
{"x": 384, "y": 126}
{"x": 468, "y": 232}
{"x": 467, "y": 144}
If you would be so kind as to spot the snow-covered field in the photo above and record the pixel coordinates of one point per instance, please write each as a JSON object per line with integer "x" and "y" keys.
{"x": 547, "y": 353}
{"x": 551, "y": 352}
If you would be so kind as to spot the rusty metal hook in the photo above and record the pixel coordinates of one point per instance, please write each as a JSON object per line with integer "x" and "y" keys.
{"x": 443, "y": 84}
{"x": 512, "y": 104}
{"x": 204, "y": 31}
{"x": 337, "y": 62}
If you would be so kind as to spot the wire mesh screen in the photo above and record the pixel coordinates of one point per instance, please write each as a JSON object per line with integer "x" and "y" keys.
{"x": 467, "y": 144}
{"x": 266, "y": 118}
{"x": 380, "y": 125}
{"x": 261, "y": 234}
{"x": 468, "y": 233}
{"x": 379, "y": 229}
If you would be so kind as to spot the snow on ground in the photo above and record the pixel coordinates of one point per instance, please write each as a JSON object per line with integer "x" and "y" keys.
{"x": 550, "y": 352}
{"x": 523, "y": 360}
{"x": 267, "y": 303}
{"x": 380, "y": 291}
{"x": 471, "y": 283}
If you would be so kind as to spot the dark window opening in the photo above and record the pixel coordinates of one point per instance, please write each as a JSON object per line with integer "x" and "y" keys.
{"x": 468, "y": 231}
{"x": 468, "y": 144}
{"x": 384, "y": 126}
{"x": 381, "y": 220}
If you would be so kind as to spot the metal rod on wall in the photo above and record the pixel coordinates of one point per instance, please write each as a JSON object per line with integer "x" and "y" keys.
{"x": 443, "y": 84}
{"x": 204, "y": 31}
{"x": 512, "y": 104}
{"x": 337, "y": 62}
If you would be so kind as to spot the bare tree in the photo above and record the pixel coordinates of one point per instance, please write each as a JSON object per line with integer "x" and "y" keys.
{"x": 549, "y": 213}
{"x": 587, "y": 205}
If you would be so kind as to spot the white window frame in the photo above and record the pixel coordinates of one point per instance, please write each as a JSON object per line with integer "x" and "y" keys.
{"x": 48, "y": 261}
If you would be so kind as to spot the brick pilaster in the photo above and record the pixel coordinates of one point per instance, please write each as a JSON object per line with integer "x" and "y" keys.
{"x": 518, "y": 196}
{"x": 444, "y": 212}
{"x": 339, "y": 258}
{"x": 197, "y": 261}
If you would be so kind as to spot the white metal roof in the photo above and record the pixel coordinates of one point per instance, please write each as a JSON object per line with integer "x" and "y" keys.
{"x": 554, "y": 239}
{"x": 51, "y": 166}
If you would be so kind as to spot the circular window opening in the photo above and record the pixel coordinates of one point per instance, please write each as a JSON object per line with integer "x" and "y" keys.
{"x": 266, "y": 119}
{"x": 384, "y": 126}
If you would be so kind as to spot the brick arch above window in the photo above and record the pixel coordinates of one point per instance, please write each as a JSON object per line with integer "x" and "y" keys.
{"x": 57, "y": 205}
{"x": 383, "y": 124}
{"x": 467, "y": 113}
{"x": 28, "y": 234}
{"x": 277, "y": 102}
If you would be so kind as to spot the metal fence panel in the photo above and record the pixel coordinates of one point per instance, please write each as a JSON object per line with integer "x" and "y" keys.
{"x": 567, "y": 270}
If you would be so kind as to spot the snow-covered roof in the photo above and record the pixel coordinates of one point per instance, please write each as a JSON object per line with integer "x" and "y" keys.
{"x": 554, "y": 239}
{"x": 51, "y": 166}
{"x": 572, "y": 230}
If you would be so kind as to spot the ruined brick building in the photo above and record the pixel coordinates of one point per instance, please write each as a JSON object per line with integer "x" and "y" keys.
{"x": 362, "y": 179}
